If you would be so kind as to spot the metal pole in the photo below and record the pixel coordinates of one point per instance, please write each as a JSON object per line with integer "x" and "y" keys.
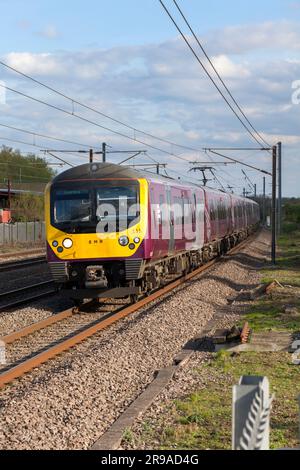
{"x": 91, "y": 155}
{"x": 264, "y": 201}
{"x": 157, "y": 168}
{"x": 274, "y": 181}
{"x": 279, "y": 187}
{"x": 9, "y": 193}
{"x": 104, "y": 152}
{"x": 255, "y": 190}
{"x": 244, "y": 192}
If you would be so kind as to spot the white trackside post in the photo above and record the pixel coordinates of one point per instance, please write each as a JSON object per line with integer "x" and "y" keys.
{"x": 251, "y": 406}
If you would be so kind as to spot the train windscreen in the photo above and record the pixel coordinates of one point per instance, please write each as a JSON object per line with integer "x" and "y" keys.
{"x": 102, "y": 206}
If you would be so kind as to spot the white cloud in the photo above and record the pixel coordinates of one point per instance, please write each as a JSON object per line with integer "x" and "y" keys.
{"x": 264, "y": 36}
{"x": 228, "y": 69}
{"x": 288, "y": 140}
{"x": 83, "y": 66}
{"x": 40, "y": 64}
{"x": 2, "y": 93}
{"x": 193, "y": 135}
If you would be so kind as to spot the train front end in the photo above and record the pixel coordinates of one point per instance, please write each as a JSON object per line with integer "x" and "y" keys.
{"x": 96, "y": 226}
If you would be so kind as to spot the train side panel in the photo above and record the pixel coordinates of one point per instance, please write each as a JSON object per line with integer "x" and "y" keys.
{"x": 176, "y": 221}
{"x": 218, "y": 211}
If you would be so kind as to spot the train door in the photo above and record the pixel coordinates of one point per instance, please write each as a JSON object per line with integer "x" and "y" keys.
{"x": 156, "y": 221}
{"x": 245, "y": 209}
{"x": 171, "y": 221}
{"x": 221, "y": 218}
{"x": 217, "y": 222}
{"x": 177, "y": 208}
{"x": 199, "y": 201}
{"x": 164, "y": 232}
{"x": 228, "y": 214}
{"x": 232, "y": 214}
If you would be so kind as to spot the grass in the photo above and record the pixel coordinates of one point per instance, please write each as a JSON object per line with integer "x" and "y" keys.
{"x": 202, "y": 420}
{"x": 270, "y": 316}
{"x": 288, "y": 261}
{"x": 127, "y": 436}
{"x": 287, "y": 269}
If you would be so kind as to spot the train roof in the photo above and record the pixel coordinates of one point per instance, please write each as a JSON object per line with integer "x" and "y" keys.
{"x": 103, "y": 170}
{"x": 99, "y": 170}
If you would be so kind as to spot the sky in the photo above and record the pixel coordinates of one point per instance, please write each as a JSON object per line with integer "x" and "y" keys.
{"x": 125, "y": 59}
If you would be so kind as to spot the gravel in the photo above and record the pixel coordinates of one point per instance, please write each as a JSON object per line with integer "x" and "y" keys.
{"x": 16, "y": 255}
{"x": 68, "y": 403}
{"x": 16, "y": 319}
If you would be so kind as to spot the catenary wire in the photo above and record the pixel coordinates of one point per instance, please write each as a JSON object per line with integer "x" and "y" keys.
{"x": 218, "y": 74}
{"x": 208, "y": 74}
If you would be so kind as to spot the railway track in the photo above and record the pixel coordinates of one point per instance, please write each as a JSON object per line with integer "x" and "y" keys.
{"x": 73, "y": 328}
{"x": 11, "y": 299}
{"x": 23, "y": 263}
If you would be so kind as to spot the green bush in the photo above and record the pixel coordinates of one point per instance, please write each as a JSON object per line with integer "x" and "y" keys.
{"x": 27, "y": 208}
{"x": 292, "y": 211}
{"x": 289, "y": 227}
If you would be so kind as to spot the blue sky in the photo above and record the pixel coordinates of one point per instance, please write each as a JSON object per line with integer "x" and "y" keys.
{"x": 94, "y": 23}
{"x": 126, "y": 59}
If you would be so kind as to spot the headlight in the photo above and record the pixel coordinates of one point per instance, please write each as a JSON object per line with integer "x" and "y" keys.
{"x": 55, "y": 243}
{"x": 123, "y": 240}
{"x": 136, "y": 240}
{"x": 67, "y": 243}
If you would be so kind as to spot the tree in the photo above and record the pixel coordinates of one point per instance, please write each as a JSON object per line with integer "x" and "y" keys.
{"x": 21, "y": 169}
{"x": 27, "y": 207}
{"x": 30, "y": 173}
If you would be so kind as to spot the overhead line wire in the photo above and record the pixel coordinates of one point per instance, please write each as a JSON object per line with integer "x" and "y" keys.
{"x": 90, "y": 108}
{"x": 32, "y": 145}
{"x": 57, "y": 108}
{"x": 218, "y": 74}
{"x": 207, "y": 73}
{"x": 44, "y": 136}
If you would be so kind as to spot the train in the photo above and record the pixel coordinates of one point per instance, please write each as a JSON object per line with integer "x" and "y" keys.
{"x": 113, "y": 231}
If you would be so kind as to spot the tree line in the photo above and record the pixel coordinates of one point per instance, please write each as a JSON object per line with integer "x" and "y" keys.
{"x": 24, "y": 172}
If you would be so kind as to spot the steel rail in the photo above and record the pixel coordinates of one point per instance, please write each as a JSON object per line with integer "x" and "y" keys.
{"x": 23, "y": 290}
{"x": 28, "y": 330}
{"x": 19, "y": 264}
{"x": 40, "y": 325}
{"x": 42, "y": 357}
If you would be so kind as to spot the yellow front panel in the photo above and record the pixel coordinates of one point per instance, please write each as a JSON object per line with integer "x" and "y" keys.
{"x": 102, "y": 245}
